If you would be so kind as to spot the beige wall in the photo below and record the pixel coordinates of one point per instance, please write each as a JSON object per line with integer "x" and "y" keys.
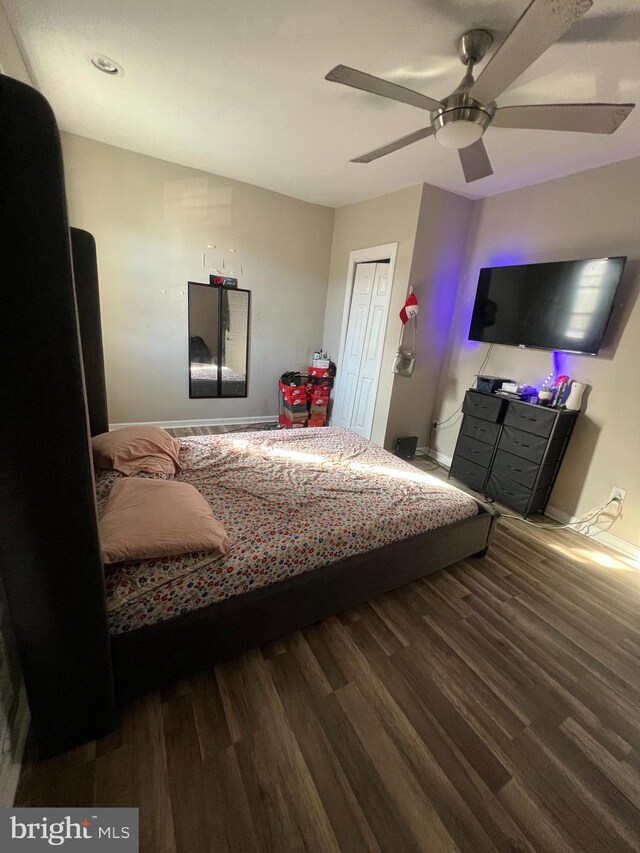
{"x": 152, "y": 221}
{"x": 435, "y": 272}
{"x": 386, "y": 219}
{"x": 591, "y": 214}
{"x": 11, "y": 60}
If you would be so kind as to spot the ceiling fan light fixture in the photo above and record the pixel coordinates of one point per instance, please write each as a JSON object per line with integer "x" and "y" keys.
{"x": 461, "y": 123}
{"x": 459, "y": 134}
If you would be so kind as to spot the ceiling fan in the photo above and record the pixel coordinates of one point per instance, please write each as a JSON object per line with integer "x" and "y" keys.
{"x": 460, "y": 120}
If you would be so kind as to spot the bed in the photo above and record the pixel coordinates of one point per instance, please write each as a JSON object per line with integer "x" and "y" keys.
{"x": 318, "y": 520}
{"x": 82, "y": 653}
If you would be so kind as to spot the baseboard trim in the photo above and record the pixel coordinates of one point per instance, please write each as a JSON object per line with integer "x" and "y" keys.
{"x": 440, "y": 458}
{"x": 11, "y": 771}
{"x": 251, "y": 419}
{"x": 601, "y": 536}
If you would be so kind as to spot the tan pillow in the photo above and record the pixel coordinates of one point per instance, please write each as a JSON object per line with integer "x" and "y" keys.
{"x": 133, "y": 449}
{"x": 157, "y": 518}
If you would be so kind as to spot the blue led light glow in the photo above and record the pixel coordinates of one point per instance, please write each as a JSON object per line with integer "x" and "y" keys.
{"x": 559, "y": 359}
{"x": 506, "y": 259}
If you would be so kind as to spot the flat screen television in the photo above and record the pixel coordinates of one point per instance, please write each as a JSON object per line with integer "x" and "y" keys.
{"x": 564, "y": 305}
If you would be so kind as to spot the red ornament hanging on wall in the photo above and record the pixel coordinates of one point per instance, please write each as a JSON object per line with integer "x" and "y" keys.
{"x": 410, "y": 308}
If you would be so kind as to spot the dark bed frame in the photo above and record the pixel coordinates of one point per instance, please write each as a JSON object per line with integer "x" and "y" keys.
{"x": 76, "y": 674}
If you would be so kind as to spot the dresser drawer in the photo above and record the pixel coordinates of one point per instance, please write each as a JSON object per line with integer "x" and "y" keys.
{"x": 474, "y": 450}
{"x": 533, "y": 419}
{"x": 508, "y": 492}
{"x": 522, "y": 444}
{"x": 483, "y": 406}
{"x": 468, "y": 472}
{"x": 480, "y": 430}
{"x": 515, "y": 468}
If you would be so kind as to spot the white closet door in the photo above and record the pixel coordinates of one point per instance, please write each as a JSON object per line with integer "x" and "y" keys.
{"x": 347, "y": 385}
{"x": 357, "y": 384}
{"x": 371, "y": 358}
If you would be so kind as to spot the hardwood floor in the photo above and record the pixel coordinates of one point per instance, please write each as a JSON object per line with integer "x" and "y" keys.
{"x": 216, "y": 429}
{"x": 493, "y": 706}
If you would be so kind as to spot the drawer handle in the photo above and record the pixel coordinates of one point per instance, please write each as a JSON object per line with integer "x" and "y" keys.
{"x": 519, "y": 470}
{"x": 480, "y": 406}
{"x": 521, "y": 443}
{"x": 509, "y": 493}
{"x": 525, "y": 418}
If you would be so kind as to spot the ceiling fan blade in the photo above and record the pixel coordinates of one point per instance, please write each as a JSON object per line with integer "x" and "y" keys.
{"x": 541, "y": 24}
{"x": 475, "y": 162}
{"x": 585, "y": 118}
{"x": 377, "y": 86}
{"x": 394, "y": 146}
{"x": 607, "y": 27}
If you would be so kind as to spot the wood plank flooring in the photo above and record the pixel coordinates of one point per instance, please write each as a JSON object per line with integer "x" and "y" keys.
{"x": 216, "y": 429}
{"x": 493, "y": 706}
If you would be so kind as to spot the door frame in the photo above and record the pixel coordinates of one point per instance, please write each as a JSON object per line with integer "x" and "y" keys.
{"x": 387, "y": 251}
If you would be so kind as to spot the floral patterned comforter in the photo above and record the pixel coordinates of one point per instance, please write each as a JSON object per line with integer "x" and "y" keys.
{"x": 292, "y": 501}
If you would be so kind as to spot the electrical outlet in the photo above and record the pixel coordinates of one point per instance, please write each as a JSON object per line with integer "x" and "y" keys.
{"x": 620, "y": 494}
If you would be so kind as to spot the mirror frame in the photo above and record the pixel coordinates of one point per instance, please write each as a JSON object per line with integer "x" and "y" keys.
{"x": 219, "y": 384}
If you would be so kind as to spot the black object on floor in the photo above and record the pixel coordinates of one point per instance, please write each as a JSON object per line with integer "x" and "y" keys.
{"x": 406, "y": 447}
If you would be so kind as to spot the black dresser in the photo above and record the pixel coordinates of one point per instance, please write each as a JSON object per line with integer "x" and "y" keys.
{"x": 511, "y": 451}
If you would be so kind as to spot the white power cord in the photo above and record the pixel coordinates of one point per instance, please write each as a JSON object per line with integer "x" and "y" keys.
{"x": 586, "y": 527}
{"x": 585, "y": 521}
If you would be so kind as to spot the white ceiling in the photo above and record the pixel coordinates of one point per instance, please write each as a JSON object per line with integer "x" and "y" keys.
{"x": 237, "y": 88}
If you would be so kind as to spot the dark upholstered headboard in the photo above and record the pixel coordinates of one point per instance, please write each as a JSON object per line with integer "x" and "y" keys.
{"x": 49, "y": 549}
{"x": 85, "y": 274}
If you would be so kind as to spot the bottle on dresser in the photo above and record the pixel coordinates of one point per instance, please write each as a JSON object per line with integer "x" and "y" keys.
{"x": 560, "y": 387}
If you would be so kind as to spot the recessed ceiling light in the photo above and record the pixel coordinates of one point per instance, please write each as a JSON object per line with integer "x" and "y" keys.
{"x": 103, "y": 63}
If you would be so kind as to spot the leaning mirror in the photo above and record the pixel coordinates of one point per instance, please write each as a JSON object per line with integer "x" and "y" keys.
{"x": 218, "y": 340}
